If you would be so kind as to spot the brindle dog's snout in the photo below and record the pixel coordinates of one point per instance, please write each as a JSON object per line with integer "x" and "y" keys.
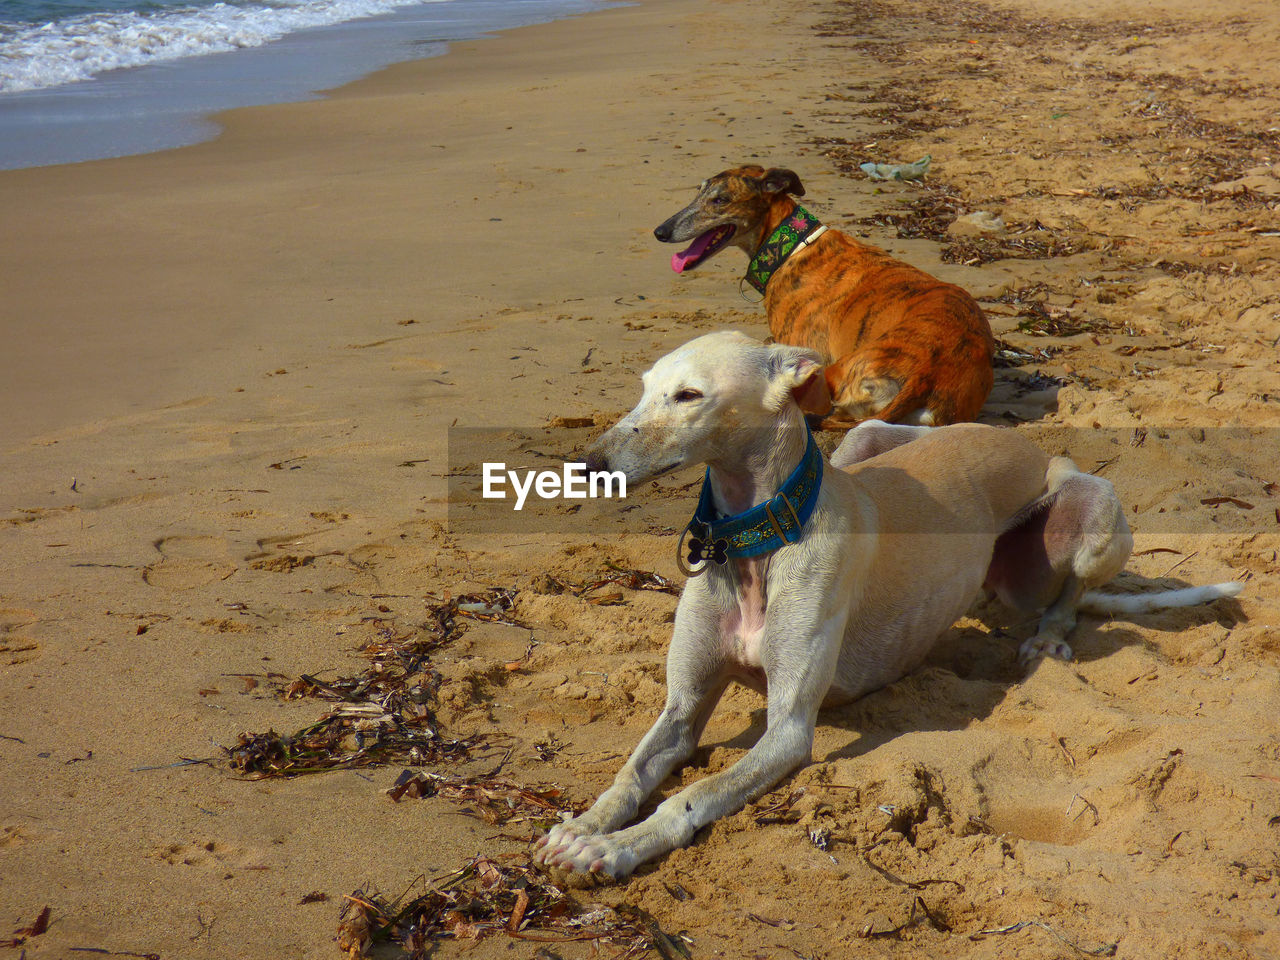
{"x": 663, "y": 231}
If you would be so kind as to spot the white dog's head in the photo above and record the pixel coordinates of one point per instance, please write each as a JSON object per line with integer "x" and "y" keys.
{"x": 711, "y": 401}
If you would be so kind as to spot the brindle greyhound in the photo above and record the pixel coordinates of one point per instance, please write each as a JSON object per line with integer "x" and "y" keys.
{"x": 842, "y": 582}
{"x": 900, "y": 345}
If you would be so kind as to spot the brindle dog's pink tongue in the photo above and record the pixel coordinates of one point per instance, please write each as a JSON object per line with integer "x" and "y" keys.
{"x": 693, "y": 253}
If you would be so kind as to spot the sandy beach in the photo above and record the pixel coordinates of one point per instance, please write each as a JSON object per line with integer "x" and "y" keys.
{"x": 231, "y": 376}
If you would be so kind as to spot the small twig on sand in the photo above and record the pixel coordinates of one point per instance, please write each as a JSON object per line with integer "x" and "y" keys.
{"x": 1180, "y": 563}
{"x": 918, "y": 910}
{"x": 1062, "y": 745}
{"x": 1102, "y": 465}
{"x": 1087, "y": 806}
{"x": 1106, "y": 950}
{"x": 184, "y": 762}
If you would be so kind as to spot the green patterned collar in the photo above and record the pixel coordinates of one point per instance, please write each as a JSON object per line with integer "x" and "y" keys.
{"x": 800, "y": 229}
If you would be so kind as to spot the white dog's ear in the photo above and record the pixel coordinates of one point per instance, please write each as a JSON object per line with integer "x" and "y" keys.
{"x": 797, "y": 376}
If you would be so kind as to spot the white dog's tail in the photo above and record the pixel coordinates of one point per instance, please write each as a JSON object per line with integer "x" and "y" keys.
{"x": 1113, "y": 603}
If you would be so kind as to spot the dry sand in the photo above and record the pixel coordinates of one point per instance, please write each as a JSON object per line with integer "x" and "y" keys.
{"x": 227, "y": 380}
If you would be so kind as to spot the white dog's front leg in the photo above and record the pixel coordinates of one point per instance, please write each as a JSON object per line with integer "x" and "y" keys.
{"x": 669, "y": 742}
{"x": 785, "y": 745}
{"x": 695, "y": 681}
{"x": 799, "y": 667}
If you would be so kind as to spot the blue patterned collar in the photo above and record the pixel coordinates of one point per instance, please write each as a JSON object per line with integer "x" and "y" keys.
{"x": 765, "y": 527}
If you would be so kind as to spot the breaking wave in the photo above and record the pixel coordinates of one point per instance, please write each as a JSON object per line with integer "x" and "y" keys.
{"x": 50, "y": 54}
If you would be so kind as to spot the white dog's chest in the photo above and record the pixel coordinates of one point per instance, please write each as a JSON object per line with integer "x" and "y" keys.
{"x": 742, "y": 626}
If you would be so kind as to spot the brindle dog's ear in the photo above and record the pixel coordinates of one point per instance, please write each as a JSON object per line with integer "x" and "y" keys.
{"x": 779, "y": 180}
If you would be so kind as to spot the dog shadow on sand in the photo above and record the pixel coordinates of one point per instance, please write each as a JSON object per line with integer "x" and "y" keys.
{"x": 975, "y": 665}
{"x": 1021, "y": 395}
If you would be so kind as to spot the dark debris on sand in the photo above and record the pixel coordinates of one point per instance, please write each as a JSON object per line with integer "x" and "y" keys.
{"x": 495, "y": 800}
{"x": 930, "y": 215}
{"x": 1187, "y": 158}
{"x": 495, "y": 896}
{"x": 383, "y": 714}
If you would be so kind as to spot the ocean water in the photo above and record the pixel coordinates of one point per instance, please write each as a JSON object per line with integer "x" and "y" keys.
{"x": 86, "y": 79}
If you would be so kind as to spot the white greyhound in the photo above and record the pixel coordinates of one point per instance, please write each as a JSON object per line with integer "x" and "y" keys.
{"x": 821, "y": 589}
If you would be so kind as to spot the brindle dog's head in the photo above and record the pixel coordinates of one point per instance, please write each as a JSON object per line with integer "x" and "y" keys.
{"x": 730, "y": 209}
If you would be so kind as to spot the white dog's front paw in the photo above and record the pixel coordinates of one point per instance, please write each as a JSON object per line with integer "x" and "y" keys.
{"x": 599, "y": 856}
{"x": 584, "y": 855}
{"x": 557, "y": 839}
{"x": 1043, "y": 647}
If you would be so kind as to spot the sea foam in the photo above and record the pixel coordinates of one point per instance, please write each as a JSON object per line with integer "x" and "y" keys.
{"x": 35, "y": 56}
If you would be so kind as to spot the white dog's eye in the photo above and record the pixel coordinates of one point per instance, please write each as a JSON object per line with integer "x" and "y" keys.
{"x": 687, "y": 394}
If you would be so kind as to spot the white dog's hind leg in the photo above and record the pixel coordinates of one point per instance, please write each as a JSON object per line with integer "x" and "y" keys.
{"x": 1078, "y": 529}
{"x": 1050, "y": 639}
{"x": 872, "y": 438}
{"x": 1085, "y": 531}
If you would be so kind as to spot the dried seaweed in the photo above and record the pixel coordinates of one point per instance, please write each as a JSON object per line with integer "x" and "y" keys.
{"x": 1105, "y": 950}
{"x": 630, "y": 578}
{"x": 495, "y": 800}
{"x": 927, "y": 218}
{"x": 1206, "y": 155}
{"x": 334, "y": 743}
{"x": 1036, "y": 243}
{"x": 865, "y": 20}
{"x": 637, "y": 580}
{"x": 383, "y": 714}
{"x": 1041, "y": 320}
{"x": 1180, "y": 268}
{"x": 930, "y": 216}
{"x": 487, "y": 898}
{"x": 1007, "y": 355}
{"x": 1037, "y": 382}
{"x": 34, "y": 929}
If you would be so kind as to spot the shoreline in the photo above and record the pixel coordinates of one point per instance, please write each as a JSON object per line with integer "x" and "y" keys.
{"x": 168, "y": 104}
{"x": 260, "y": 151}
{"x": 250, "y": 349}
